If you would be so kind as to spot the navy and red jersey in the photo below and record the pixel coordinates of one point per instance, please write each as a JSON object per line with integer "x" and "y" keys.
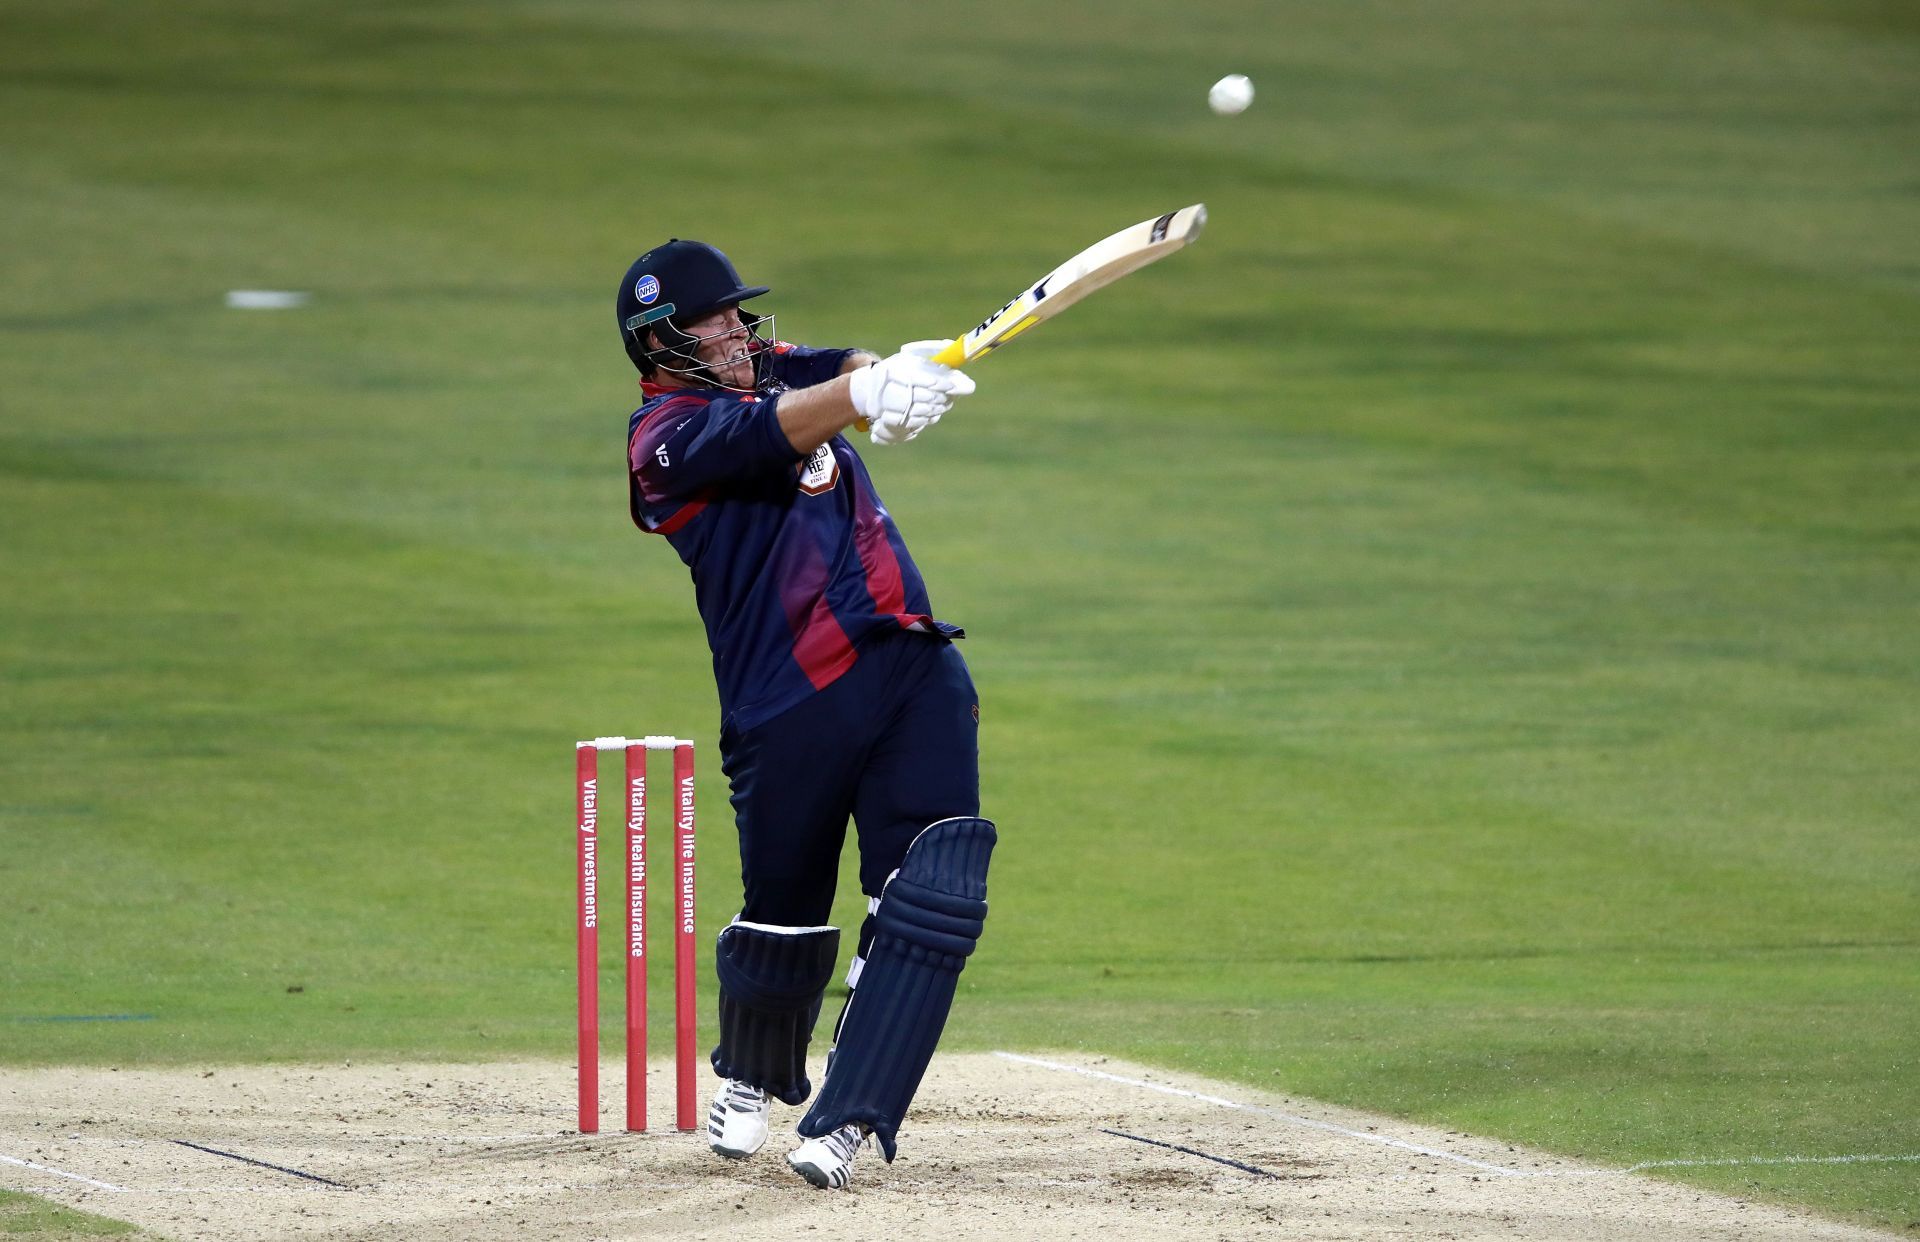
{"x": 795, "y": 560}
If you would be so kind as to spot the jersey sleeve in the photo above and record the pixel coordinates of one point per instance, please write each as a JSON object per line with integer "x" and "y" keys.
{"x": 801, "y": 366}
{"x": 690, "y": 443}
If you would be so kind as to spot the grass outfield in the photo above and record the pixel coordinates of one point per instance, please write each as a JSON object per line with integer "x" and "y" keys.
{"x": 24, "y": 1214}
{"x": 1447, "y": 641}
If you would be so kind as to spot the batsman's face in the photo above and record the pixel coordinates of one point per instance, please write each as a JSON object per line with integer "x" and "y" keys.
{"x": 723, "y": 347}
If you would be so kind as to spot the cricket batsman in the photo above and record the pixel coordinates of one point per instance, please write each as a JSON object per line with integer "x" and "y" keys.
{"x": 841, "y": 697}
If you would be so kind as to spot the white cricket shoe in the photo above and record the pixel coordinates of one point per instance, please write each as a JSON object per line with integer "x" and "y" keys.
{"x": 828, "y": 1162}
{"x": 737, "y": 1123}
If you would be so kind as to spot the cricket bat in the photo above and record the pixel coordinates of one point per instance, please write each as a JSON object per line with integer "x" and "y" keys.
{"x": 1094, "y": 268}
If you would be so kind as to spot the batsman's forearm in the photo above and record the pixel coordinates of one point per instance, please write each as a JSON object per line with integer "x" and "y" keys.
{"x": 812, "y": 416}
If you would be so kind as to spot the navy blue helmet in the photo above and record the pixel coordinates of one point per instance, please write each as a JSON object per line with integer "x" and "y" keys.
{"x": 670, "y": 286}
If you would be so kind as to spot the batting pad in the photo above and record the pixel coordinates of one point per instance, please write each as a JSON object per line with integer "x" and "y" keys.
{"x": 930, "y": 917}
{"x": 771, "y": 981}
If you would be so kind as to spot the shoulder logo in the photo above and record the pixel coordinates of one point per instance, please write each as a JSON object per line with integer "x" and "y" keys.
{"x": 647, "y": 289}
{"x": 820, "y": 471}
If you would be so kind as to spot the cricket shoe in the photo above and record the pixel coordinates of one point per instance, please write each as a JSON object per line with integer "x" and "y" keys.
{"x": 828, "y": 1162}
{"x": 737, "y": 1123}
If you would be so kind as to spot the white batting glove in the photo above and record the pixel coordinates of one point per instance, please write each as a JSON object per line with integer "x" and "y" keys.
{"x": 904, "y": 395}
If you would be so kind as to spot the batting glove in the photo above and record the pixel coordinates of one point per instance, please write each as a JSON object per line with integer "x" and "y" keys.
{"x": 904, "y": 395}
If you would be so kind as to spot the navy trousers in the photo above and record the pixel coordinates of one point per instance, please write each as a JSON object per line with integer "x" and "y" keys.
{"x": 893, "y": 744}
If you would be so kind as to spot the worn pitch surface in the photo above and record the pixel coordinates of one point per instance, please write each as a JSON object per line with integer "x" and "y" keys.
{"x": 998, "y": 1147}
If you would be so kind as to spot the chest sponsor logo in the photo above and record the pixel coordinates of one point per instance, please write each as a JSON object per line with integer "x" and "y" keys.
{"x": 819, "y": 472}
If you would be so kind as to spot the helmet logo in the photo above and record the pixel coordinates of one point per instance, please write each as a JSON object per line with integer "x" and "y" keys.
{"x": 647, "y": 289}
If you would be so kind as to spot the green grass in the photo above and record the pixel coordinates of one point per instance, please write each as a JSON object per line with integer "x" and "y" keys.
{"x": 23, "y": 1214}
{"x": 1447, "y": 641}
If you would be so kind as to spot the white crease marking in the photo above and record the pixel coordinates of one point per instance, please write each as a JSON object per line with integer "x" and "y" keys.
{"x": 1502, "y": 1170}
{"x": 1290, "y": 1118}
{"x": 47, "y": 1168}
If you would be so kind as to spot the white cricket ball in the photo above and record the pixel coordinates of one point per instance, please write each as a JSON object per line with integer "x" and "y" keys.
{"x": 1231, "y": 94}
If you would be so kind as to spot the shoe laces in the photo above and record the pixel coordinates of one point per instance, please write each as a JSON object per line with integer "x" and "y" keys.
{"x": 846, "y": 1140}
{"x": 742, "y": 1098}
